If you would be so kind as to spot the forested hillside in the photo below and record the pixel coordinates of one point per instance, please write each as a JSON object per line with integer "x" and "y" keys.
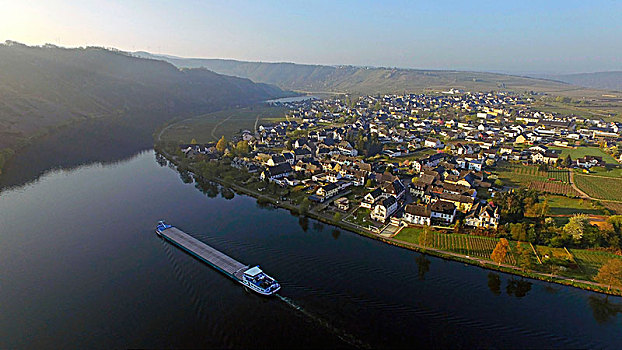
{"x": 45, "y": 87}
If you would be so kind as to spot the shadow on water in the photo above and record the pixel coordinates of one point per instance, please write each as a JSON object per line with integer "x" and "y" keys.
{"x": 303, "y": 221}
{"x": 517, "y": 287}
{"x": 423, "y": 266}
{"x": 494, "y": 283}
{"x": 603, "y": 310}
{"x": 94, "y": 141}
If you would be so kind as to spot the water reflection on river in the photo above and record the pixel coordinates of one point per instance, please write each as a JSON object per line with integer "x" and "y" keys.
{"x": 81, "y": 267}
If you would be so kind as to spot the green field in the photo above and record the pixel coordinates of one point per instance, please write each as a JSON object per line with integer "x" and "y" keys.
{"x": 603, "y": 171}
{"x": 588, "y": 103}
{"x": 600, "y": 187}
{"x": 580, "y": 152}
{"x": 360, "y": 217}
{"x": 590, "y": 261}
{"x": 560, "y": 175}
{"x": 514, "y": 174}
{"x": 560, "y": 205}
{"x": 210, "y": 127}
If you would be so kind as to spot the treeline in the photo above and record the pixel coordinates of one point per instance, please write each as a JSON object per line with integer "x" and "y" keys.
{"x": 367, "y": 145}
{"x": 526, "y": 217}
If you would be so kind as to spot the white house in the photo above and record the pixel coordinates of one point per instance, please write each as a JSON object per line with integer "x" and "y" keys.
{"x": 443, "y": 211}
{"x": 476, "y": 165}
{"x": 276, "y": 172}
{"x": 417, "y": 214}
{"x": 384, "y": 209}
{"x": 327, "y": 191}
{"x": 483, "y": 215}
{"x": 433, "y": 143}
{"x": 371, "y": 198}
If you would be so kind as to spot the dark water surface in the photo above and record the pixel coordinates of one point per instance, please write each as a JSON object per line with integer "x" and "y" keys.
{"x": 80, "y": 267}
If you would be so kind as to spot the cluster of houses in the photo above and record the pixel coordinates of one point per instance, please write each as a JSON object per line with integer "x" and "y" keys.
{"x": 458, "y": 136}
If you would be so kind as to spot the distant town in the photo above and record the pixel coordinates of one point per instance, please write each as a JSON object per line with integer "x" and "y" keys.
{"x": 423, "y": 169}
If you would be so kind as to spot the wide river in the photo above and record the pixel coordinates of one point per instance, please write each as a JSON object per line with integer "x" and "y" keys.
{"x": 81, "y": 267}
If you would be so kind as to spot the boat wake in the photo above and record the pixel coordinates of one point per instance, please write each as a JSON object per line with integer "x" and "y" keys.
{"x": 340, "y": 333}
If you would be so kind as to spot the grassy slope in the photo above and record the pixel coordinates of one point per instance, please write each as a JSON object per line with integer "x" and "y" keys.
{"x": 561, "y": 205}
{"x": 586, "y": 151}
{"x": 211, "y": 126}
{"x": 603, "y": 171}
{"x": 44, "y": 87}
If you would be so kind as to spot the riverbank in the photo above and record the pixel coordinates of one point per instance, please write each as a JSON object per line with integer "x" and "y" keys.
{"x": 448, "y": 255}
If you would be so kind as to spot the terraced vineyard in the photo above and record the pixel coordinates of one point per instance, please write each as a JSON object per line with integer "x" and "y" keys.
{"x": 474, "y": 246}
{"x": 559, "y": 175}
{"x": 591, "y": 261}
{"x": 588, "y": 262}
{"x": 520, "y": 174}
{"x": 564, "y": 189}
{"x": 600, "y": 187}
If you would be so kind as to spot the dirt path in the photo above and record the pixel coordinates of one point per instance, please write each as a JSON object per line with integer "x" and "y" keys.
{"x": 217, "y": 125}
{"x": 583, "y": 194}
{"x": 163, "y": 130}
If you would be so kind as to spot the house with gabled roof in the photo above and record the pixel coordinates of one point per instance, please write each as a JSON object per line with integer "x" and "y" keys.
{"x": 483, "y": 215}
{"x": 327, "y": 191}
{"x": 371, "y": 198}
{"x": 417, "y": 214}
{"x": 395, "y": 188}
{"x": 442, "y": 211}
{"x": 384, "y": 209}
{"x": 276, "y": 172}
{"x": 275, "y": 159}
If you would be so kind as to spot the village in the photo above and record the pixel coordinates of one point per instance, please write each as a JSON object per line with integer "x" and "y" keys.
{"x": 387, "y": 162}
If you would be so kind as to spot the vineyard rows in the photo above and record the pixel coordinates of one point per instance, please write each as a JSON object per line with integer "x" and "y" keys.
{"x": 554, "y": 188}
{"x": 475, "y": 246}
{"x": 600, "y": 187}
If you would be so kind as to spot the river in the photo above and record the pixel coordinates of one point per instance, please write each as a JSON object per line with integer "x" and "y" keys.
{"x": 81, "y": 267}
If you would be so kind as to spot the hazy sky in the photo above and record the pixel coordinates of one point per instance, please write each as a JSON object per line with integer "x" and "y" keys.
{"x": 510, "y": 36}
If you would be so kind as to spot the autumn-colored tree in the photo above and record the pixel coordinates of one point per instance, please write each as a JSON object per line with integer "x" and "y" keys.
{"x": 221, "y": 146}
{"x": 501, "y": 250}
{"x": 242, "y": 147}
{"x": 610, "y": 273}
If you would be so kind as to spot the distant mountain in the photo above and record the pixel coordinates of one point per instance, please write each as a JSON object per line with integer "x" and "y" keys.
{"x": 599, "y": 80}
{"x": 367, "y": 80}
{"x": 43, "y": 87}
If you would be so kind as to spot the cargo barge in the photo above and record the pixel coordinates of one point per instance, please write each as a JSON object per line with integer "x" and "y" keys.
{"x": 251, "y": 277}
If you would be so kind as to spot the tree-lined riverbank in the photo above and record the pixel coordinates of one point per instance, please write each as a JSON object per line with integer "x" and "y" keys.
{"x": 232, "y": 178}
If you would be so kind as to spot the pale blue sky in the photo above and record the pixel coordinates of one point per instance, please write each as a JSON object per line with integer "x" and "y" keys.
{"x": 517, "y": 36}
